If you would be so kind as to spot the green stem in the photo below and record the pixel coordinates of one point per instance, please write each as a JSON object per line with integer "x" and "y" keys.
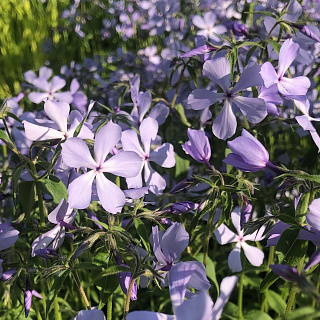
{"x": 41, "y": 207}
{"x": 207, "y": 236}
{"x": 292, "y": 297}
{"x": 109, "y": 308}
{"x": 127, "y": 306}
{"x": 83, "y": 294}
{"x": 57, "y": 314}
{"x": 240, "y": 296}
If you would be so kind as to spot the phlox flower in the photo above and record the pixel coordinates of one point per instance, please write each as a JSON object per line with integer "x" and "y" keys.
{"x": 49, "y": 88}
{"x": 28, "y": 294}
{"x": 224, "y": 235}
{"x": 198, "y": 146}
{"x": 198, "y": 307}
{"x": 76, "y": 154}
{"x": 207, "y": 26}
{"x": 248, "y": 154}
{"x": 93, "y": 314}
{"x": 63, "y": 216}
{"x": 218, "y": 71}
{"x": 162, "y": 155}
{"x": 58, "y": 127}
{"x": 297, "y": 86}
{"x": 8, "y": 236}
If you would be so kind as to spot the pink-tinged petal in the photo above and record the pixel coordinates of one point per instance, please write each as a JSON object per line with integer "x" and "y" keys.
{"x": 268, "y": 74}
{"x": 225, "y": 124}
{"x": 209, "y": 18}
{"x": 59, "y": 113}
{"x": 179, "y": 277}
{"x": 199, "y": 22}
{"x": 254, "y": 109}
{"x": 174, "y": 242}
{"x": 37, "y": 97}
{"x": 110, "y": 195}
{"x": 288, "y": 52}
{"x": 294, "y": 86}
{"x": 250, "y": 77}
{"x": 236, "y": 161}
{"x": 45, "y": 73}
{"x": 106, "y": 138}
{"x": 201, "y": 98}
{"x": 199, "y": 308}
{"x": 235, "y": 216}
{"x": 93, "y": 314}
{"x": 148, "y": 315}
{"x": 63, "y": 96}
{"x": 226, "y": 287}
{"x": 262, "y": 149}
{"x": 42, "y": 84}
{"x": 253, "y": 254}
{"x": 57, "y": 83}
{"x": 148, "y": 132}
{"x": 218, "y": 71}
{"x": 44, "y": 240}
{"x": 224, "y": 235}
{"x": 156, "y": 241}
{"x": 163, "y": 156}
{"x": 234, "y": 259}
{"x": 160, "y": 113}
{"x": 313, "y": 218}
{"x": 80, "y": 190}
{"x": 130, "y": 142}
{"x": 40, "y": 133}
{"x": 124, "y": 164}
{"x": 154, "y": 181}
{"x": 75, "y": 154}
{"x": 8, "y": 237}
{"x": 144, "y": 104}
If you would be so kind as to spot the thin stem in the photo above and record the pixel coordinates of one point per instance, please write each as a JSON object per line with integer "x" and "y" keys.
{"x": 57, "y": 314}
{"x": 83, "y": 294}
{"x": 207, "y": 236}
{"x": 292, "y": 297}
{"x": 109, "y": 308}
{"x": 240, "y": 296}
{"x": 41, "y": 207}
{"x": 127, "y": 306}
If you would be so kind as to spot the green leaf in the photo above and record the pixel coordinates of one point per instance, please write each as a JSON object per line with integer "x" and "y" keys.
{"x": 4, "y": 136}
{"x": 108, "y": 286}
{"x": 56, "y": 287}
{"x": 276, "y": 302}
{"x": 179, "y": 108}
{"x": 114, "y": 270}
{"x": 181, "y": 168}
{"x": 257, "y": 314}
{"x": 86, "y": 266}
{"x": 250, "y": 43}
{"x": 11, "y": 115}
{"x": 275, "y": 45}
{"x": 193, "y": 75}
{"x": 210, "y": 271}
{"x": 54, "y": 187}
{"x": 15, "y": 177}
{"x": 303, "y": 204}
{"x": 302, "y": 314}
{"x": 142, "y": 232}
{"x": 233, "y": 57}
{"x": 27, "y": 196}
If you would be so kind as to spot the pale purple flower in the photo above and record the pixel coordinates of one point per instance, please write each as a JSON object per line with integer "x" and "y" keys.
{"x": 8, "y": 236}
{"x": 239, "y": 29}
{"x": 76, "y": 154}
{"x": 248, "y": 154}
{"x": 49, "y": 88}
{"x": 224, "y": 235}
{"x": 297, "y": 86}
{"x": 198, "y": 147}
{"x": 198, "y": 307}
{"x": 93, "y": 314}
{"x": 307, "y": 32}
{"x": 271, "y": 97}
{"x": 28, "y": 294}
{"x": 63, "y": 216}
{"x": 80, "y": 100}
{"x": 208, "y": 27}
{"x": 57, "y": 127}
{"x": 206, "y": 48}
{"x": 162, "y": 155}
{"x": 218, "y": 71}
{"x": 181, "y": 207}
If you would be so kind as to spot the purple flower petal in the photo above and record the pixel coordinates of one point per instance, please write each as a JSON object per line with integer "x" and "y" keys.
{"x": 288, "y": 52}
{"x": 313, "y": 218}
{"x": 148, "y": 131}
{"x": 154, "y": 181}
{"x": 163, "y": 156}
{"x": 93, "y": 314}
{"x": 110, "y": 195}
{"x": 57, "y": 83}
{"x": 148, "y": 315}
{"x": 314, "y": 260}
{"x": 200, "y": 99}
{"x": 105, "y": 140}
{"x": 268, "y": 74}
{"x": 8, "y": 237}
{"x": 253, "y": 254}
{"x": 294, "y": 86}
{"x": 218, "y": 71}
{"x": 225, "y": 124}
{"x": 224, "y": 235}
{"x": 59, "y": 113}
{"x": 37, "y": 97}
{"x": 160, "y": 113}
{"x": 41, "y": 133}
{"x": 130, "y": 142}
{"x": 234, "y": 260}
